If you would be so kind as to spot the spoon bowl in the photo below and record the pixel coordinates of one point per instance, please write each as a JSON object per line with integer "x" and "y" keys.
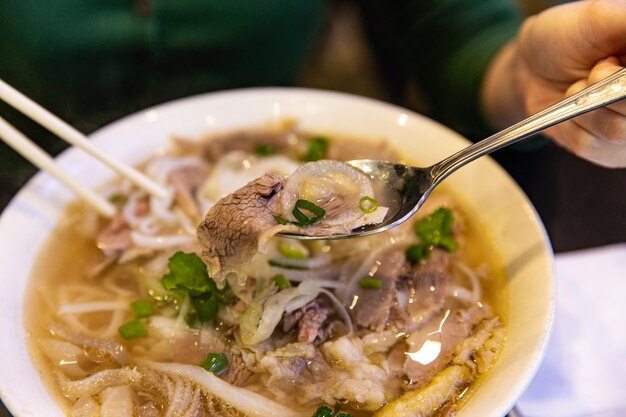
{"x": 411, "y": 186}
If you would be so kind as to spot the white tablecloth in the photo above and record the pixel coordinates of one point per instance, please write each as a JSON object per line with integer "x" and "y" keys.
{"x": 584, "y": 371}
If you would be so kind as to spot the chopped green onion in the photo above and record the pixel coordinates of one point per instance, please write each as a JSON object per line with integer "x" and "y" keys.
{"x": 417, "y": 252}
{"x": 187, "y": 272}
{"x": 289, "y": 251}
{"x": 280, "y": 219}
{"x": 141, "y": 308}
{"x": 265, "y": 150}
{"x": 206, "y": 307}
{"x": 436, "y": 229}
{"x": 371, "y": 283}
{"x": 373, "y": 204}
{"x": 304, "y": 220}
{"x": 323, "y": 411}
{"x": 281, "y": 282}
{"x": 318, "y": 148}
{"x": 285, "y": 265}
{"x": 132, "y": 330}
{"x": 190, "y": 319}
{"x": 215, "y": 363}
{"x": 117, "y": 199}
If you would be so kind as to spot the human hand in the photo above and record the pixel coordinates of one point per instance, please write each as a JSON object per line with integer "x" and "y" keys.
{"x": 565, "y": 49}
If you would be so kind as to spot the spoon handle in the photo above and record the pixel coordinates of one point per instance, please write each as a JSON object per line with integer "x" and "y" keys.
{"x": 602, "y": 93}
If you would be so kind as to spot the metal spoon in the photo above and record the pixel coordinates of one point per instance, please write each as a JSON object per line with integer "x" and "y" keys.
{"x": 412, "y": 185}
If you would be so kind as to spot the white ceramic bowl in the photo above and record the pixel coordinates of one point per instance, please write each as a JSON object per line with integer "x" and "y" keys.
{"x": 485, "y": 189}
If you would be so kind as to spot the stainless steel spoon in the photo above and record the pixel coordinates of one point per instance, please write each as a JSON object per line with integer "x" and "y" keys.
{"x": 412, "y": 185}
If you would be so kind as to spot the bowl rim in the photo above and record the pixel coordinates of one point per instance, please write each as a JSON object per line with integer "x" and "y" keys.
{"x": 100, "y": 134}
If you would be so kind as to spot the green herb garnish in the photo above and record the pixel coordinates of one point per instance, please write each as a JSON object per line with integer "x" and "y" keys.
{"x": 318, "y": 148}
{"x": 368, "y": 204}
{"x": 206, "y": 306}
{"x": 118, "y": 199}
{"x": 280, "y": 219}
{"x": 281, "y": 282}
{"x": 187, "y": 273}
{"x": 215, "y": 363}
{"x": 265, "y": 150}
{"x": 302, "y": 219}
{"x": 417, "y": 252}
{"x": 371, "y": 283}
{"x": 132, "y": 330}
{"x": 142, "y": 308}
{"x": 436, "y": 229}
{"x": 289, "y": 251}
{"x": 323, "y": 411}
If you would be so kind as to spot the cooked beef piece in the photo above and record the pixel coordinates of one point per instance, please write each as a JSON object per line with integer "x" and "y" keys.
{"x": 185, "y": 181}
{"x": 448, "y": 330}
{"x": 115, "y": 238}
{"x": 428, "y": 285}
{"x": 232, "y": 229}
{"x": 373, "y": 306}
{"x": 245, "y": 140}
{"x": 310, "y": 321}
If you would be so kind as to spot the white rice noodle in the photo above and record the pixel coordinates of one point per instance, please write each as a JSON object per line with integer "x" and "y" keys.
{"x": 185, "y": 222}
{"x": 93, "y": 307}
{"x": 160, "y": 169}
{"x": 301, "y": 276}
{"x": 341, "y": 310}
{"x": 366, "y": 266}
{"x": 245, "y": 401}
{"x": 160, "y": 242}
{"x": 97, "y": 382}
{"x": 118, "y": 318}
{"x": 474, "y": 294}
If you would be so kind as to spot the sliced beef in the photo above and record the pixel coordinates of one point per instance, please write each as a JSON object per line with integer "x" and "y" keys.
{"x": 245, "y": 140}
{"x": 448, "y": 330}
{"x": 373, "y": 306}
{"x": 231, "y": 230}
{"x": 115, "y": 237}
{"x": 310, "y": 321}
{"x": 185, "y": 181}
{"x": 427, "y": 285}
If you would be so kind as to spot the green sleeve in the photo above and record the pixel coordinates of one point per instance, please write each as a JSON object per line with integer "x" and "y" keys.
{"x": 447, "y": 45}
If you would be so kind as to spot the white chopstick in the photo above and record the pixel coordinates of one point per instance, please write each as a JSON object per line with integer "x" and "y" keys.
{"x": 74, "y": 137}
{"x": 16, "y": 139}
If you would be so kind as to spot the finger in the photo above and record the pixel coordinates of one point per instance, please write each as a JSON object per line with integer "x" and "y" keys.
{"x": 602, "y": 70}
{"x": 585, "y": 144}
{"x": 607, "y": 123}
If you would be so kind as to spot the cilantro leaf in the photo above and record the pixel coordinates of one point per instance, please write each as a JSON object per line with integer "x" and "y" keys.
{"x": 187, "y": 273}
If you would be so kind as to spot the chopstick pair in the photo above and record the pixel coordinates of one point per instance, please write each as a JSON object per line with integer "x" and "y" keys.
{"x": 23, "y": 145}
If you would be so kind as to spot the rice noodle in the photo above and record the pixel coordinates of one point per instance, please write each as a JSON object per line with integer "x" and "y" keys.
{"x": 160, "y": 242}
{"x": 243, "y": 400}
{"x": 476, "y": 289}
{"x": 366, "y": 266}
{"x": 92, "y": 307}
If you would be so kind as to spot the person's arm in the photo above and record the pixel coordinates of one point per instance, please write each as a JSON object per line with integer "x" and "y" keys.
{"x": 555, "y": 54}
{"x": 446, "y": 46}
